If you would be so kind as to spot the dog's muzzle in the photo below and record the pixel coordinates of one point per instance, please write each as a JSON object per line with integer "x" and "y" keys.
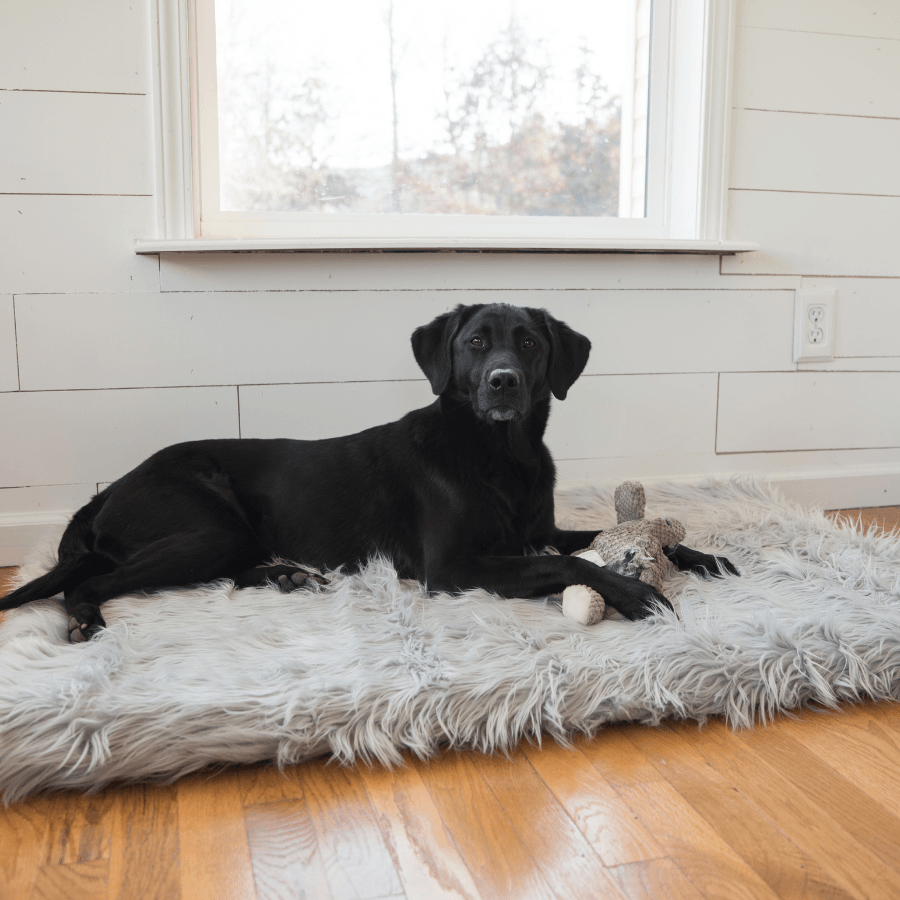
{"x": 502, "y": 395}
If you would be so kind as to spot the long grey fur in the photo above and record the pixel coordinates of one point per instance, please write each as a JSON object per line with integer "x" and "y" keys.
{"x": 370, "y": 667}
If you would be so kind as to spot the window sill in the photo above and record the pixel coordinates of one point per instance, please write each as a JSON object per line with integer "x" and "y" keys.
{"x": 509, "y": 245}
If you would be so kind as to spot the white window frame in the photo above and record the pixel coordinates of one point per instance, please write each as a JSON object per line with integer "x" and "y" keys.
{"x": 688, "y": 143}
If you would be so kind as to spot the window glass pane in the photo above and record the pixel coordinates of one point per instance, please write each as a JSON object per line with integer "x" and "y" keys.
{"x": 479, "y": 107}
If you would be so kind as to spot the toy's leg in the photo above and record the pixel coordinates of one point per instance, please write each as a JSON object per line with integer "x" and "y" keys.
{"x": 704, "y": 564}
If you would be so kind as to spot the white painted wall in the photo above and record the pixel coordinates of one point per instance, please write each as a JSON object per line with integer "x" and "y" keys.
{"x": 106, "y": 356}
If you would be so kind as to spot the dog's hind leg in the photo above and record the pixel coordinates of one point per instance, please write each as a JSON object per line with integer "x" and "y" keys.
{"x": 286, "y": 578}
{"x": 178, "y": 560}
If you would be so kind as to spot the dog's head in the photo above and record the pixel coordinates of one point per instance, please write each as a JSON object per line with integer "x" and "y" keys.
{"x": 500, "y": 358}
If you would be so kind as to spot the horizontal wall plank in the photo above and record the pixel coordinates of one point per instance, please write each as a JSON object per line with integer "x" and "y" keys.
{"x": 808, "y": 411}
{"x": 864, "y": 18}
{"x": 638, "y": 332}
{"x": 853, "y": 364}
{"x": 68, "y": 143}
{"x": 9, "y": 368}
{"x": 625, "y": 415}
{"x": 443, "y": 272}
{"x": 815, "y": 234}
{"x": 819, "y": 73}
{"x": 603, "y": 416}
{"x": 310, "y": 412}
{"x": 830, "y": 479}
{"x": 57, "y": 45}
{"x": 44, "y": 499}
{"x": 91, "y": 436}
{"x": 55, "y": 244}
{"x": 867, "y": 320}
{"x": 803, "y": 152}
{"x": 154, "y": 340}
{"x": 200, "y": 339}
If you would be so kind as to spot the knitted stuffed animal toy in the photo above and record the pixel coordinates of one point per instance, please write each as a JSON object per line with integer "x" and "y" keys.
{"x": 633, "y": 547}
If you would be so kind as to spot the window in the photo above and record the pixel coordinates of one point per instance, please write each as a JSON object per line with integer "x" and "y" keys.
{"x": 457, "y": 123}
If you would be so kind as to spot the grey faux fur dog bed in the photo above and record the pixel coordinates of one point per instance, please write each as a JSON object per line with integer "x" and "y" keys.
{"x": 370, "y": 666}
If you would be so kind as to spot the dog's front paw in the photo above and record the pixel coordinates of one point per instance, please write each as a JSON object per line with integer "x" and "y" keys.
{"x": 84, "y": 623}
{"x": 703, "y": 564}
{"x": 634, "y": 599}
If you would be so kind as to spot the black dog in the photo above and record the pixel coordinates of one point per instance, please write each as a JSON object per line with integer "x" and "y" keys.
{"x": 456, "y": 494}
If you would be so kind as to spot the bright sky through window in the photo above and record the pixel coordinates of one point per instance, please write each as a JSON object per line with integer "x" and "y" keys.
{"x": 479, "y": 107}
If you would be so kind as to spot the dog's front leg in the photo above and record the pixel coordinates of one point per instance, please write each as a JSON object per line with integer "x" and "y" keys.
{"x": 568, "y": 542}
{"x": 539, "y": 576}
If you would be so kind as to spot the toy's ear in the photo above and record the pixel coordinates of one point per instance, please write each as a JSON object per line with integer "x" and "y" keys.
{"x": 432, "y": 346}
{"x": 569, "y": 353}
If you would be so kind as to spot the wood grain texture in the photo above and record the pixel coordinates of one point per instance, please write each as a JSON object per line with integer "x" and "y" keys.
{"x": 599, "y": 812}
{"x": 145, "y": 856}
{"x": 782, "y": 794}
{"x": 215, "y": 857}
{"x": 654, "y": 879}
{"x": 758, "y": 841}
{"x": 284, "y": 851}
{"x": 72, "y": 881}
{"x": 426, "y": 858}
{"x": 495, "y": 854}
{"x": 356, "y": 860}
{"x": 567, "y": 860}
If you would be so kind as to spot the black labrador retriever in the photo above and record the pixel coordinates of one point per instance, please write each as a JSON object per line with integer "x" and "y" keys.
{"x": 458, "y": 494}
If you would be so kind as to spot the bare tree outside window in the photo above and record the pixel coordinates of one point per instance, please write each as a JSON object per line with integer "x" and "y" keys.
{"x": 392, "y": 106}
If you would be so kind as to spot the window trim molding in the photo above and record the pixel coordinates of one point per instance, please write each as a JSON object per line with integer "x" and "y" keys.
{"x": 700, "y": 230}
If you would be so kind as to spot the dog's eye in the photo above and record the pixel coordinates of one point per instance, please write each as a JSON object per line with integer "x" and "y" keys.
{"x": 477, "y": 342}
{"x": 529, "y": 344}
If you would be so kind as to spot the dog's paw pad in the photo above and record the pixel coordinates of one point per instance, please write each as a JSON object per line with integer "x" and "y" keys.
{"x": 306, "y": 580}
{"x": 79, "y": 632}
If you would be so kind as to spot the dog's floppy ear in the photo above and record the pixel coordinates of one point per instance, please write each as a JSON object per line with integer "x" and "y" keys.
{"x": 569, "y": 353}
{"x": 432, "y": 346}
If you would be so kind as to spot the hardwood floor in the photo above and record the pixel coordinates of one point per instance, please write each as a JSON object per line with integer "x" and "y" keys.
{"x": 806, "y": 807}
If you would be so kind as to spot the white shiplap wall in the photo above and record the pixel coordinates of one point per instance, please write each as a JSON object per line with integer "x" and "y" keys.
{"x": 106, "y": 356}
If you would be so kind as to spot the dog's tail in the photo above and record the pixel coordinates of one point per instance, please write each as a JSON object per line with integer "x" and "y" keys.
{"x": 77, "y": 560}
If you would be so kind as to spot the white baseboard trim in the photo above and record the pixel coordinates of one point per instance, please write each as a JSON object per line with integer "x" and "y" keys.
{"x": 20, "y": 533}
{"x": 839, "y": 488}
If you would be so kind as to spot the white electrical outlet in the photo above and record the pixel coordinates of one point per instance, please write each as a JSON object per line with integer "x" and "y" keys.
{"x": 813, "y": 325}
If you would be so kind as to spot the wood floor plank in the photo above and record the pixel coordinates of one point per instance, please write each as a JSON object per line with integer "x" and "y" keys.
{"x": 859, "y": 871}
{"x": 265, "y": 783}
{"x": 79, "y": 827}
{"x": 429, "y": 864}
{"x": 24, "y": 832}
{"x": 612, "y": 754}
{"x": 145, "y": 857}
{"x": 500, "y": 864}
{"x": 284, "y": 852}
{"x": 567, "y": 860}
{"x": 7, "y": 573}
{"x": 72, "y": 881}
{"x": 356, "y": 859}
{"x": 215, "y": 857}
{"x": 599, "y": 812}
{"x": 710, "y": 864}
{"x": 858, "y": 813}
{"x": 654, "y": 879}
{"x": 753, "y": 836}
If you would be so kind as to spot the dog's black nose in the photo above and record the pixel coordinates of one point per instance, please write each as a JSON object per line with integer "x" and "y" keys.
{"x": 503, "y": 378}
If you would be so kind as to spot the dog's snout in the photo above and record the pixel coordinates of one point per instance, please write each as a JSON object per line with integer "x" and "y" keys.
{"x": 503, "y": 378}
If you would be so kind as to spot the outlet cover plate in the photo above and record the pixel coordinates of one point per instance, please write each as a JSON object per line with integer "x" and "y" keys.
{"x": 814, "y": 325}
